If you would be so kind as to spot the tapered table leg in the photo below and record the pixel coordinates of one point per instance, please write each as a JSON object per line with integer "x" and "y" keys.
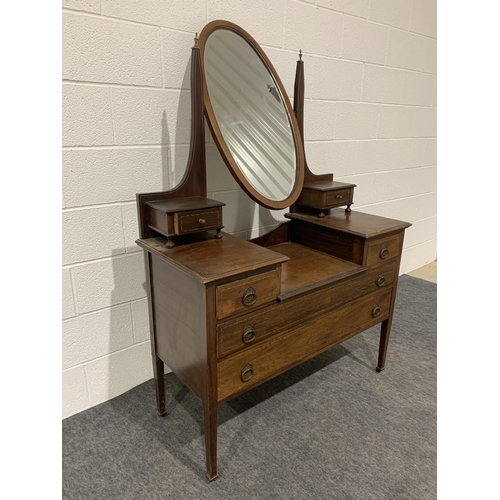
{"x": 159, "y": 373}
{"x": 384, "y": 342}
{"x": 210, "y": 421}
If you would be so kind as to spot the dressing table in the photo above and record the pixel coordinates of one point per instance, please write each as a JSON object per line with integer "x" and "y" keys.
{"x": 228, "y": 314}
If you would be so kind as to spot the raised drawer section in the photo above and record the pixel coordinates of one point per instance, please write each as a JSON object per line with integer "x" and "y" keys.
{"x": 383, "y": 249}
{"x": 246, "y": 294}
{"x": 339, "y": 197}
{"x": 240, "y": 333}
{"x": 201, "y": 220}
{"x": 253, "y": 366}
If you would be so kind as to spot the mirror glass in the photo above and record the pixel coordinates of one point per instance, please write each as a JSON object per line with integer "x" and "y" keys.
{"x": 250, "y": 113}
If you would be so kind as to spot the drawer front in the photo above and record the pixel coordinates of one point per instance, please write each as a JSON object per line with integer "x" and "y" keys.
{"x": 246, "y": 331}
{"x": 383, "y": 249}
{"x": 242, "y": 296}
{"x": 201, "y": 220}
{"x": 340, "y": 197}
{"x": 250, "y": 367}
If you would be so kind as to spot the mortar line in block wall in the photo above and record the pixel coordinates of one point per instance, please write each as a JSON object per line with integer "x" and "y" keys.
{"x": 123, "y": 20}
{"x": 413, "y": 221}
{"x": 91, "y": 360}
{"x": 122, "y": 146}
{"x": 419, "y": 244}
{"x": 73, "y": 289}
{"x": 377, "y": 130}
{"x": 403, "y": 169}
{"x": 98, "y": 205}
{"x": 101, "y": 309}
{"x": 112, "y": 116}
{"x": 102, "y": 259}
{"x": 89, "y": 83}
{"x": 411, "y": 13}
{"x": 328, "y": 9}
{"x": 356, "y": 61}
{"x": 123, "y": 229}
{"x": 342, "y": 37}
{"x": 399, "y": 105}
{"x": 391, "y": 200}
{"x": 390, "y": 26}
{"x": 381, "y": 139}
{"x": 87, "y": 388}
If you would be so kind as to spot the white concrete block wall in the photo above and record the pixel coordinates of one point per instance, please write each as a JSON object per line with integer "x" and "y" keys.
{"x": 370, "y": 68}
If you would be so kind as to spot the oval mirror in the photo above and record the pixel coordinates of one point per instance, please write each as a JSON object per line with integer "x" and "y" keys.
{"x": 250, "y": 116}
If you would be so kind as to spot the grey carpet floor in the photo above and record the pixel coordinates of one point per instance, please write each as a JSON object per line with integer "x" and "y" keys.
{"x": 331, "y": 428}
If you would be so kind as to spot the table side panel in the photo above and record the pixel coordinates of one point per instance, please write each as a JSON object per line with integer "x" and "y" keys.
{"x": 180, "y": 322}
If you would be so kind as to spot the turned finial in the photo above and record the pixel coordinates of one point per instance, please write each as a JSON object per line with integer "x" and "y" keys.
{"x": 300, "y": 55}
{"x": 196, "y": 40}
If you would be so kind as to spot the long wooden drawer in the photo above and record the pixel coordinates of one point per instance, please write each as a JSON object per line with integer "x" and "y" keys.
{"x": 250, "y": 329}
{"x": 246, "y": 294}
{"x": 248, "y": 368}
{"x": 383, "y": 249}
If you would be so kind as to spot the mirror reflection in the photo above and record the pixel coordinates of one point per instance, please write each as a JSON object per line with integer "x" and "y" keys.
{"x": 250, "y": 113}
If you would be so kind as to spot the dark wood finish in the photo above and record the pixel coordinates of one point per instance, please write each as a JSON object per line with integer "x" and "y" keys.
{"x": 243, "y": 295}
{"x": 278, "y": 235}
{"x": 385, "y": 331}
{"x": 181, "y": 216}
{"x": 308, "y": 270}
{"x": 214, "y": 260}
{"x": 158, "y": 365}
{"x": 227, "y": 314}
{"x": 194, "y": 181}
{"x": 219, "y": 138}
{"x": 313, "y": 336}
{"x": 184, "y": 204}
{"x": 355, "y": 223}
{"x": 284, "y": 315}
{"x": 209, "y": 398}
{"x": 180, "y": 306}
{"x": 325, "y": 195}
{"x": 298, "y": 108}
{"x": 197, "y": 220}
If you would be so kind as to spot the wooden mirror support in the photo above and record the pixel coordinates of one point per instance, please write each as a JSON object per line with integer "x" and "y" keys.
{"x": 320, "y": 192}
{"x": 184, "y": 210}
{"x": 226, "y": 314}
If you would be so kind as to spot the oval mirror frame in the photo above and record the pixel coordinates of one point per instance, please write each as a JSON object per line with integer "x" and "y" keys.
{"x": 219, "y": 138}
